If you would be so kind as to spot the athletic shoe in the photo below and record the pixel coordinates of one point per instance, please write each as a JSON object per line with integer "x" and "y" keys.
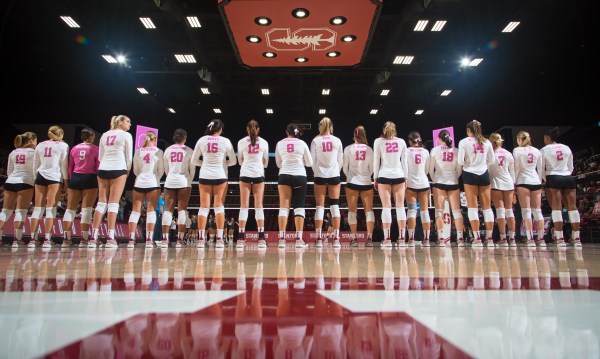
{"x": 281, "y": 243}
{"x": 179, "y": 244}
{"x": 445, "y": 242}
{"x": 530, "y": 243}
{"x": 460, "y": 242}
{"x": 575, "y": 242}
{"x": 411, "y": 242}
{"x": 93, "y": 243}
{"x": 163, "y": 244}
{"x": 401, "y": 243}
{"x": 387, "y": 243}
{"x": 336, "y": 243}
{"x": 301, "y": 244}
{"x": 426, "y": 243}
{"x": 46, "y": 243}
{"x": 369, "y": 242}
{"x": 240, "y": 244}
{"x": 149, "y": 243}
{"x": 219, "y": 243}
{"x": 83, "y": 243}
{"x": 541, "y": 243}
{"x": 201, "y": 243}
{"x": 131, "y": 243}
{"x": 502, "y": 243}
{"x": 561, "y": 243}
{"x": 15, "y": 244}
{"x": 354, "y": 243}
{"x": 477, "y": 243}
{"x": 262, "y": 244}
{"x": 319, "y": 243}
{"x": 66, "y": 243}
{"x": 512, "y": 242}
{"x": 111, "y": 243}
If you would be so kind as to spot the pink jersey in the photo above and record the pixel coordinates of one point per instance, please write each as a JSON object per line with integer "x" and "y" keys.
{"x": 83, "y": 159}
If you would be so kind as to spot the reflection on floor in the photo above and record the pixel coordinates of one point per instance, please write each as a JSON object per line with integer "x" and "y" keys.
{"x": 294, "y": 303}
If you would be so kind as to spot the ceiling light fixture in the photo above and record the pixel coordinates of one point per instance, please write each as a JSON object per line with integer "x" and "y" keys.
{"x": 373, "y": 111}
{"x": 421, "y": 24}
{"x": 193, "y": 21}
{"x": 384, "y": 92}
{"x": 217, "y": 110}
{"x": 403, "y": 60}
{"x": 322, "y": 111}
{"x": 265, "y": 91}
{"x": 325, "y": 91}
{"x": 253, "y": 39}
{"x": 109, "y": 59}
{"x": 419, "y": 112}
{"x": 262, "y": 21}
{"x": 269, "y": 110}
{"x": 185, "y": 59}
{"x": 439, "y": 25}
{"x": 338, "y": 20}
{"x": 300, "y": 13}
{"x": 446, "y": 92}
{"x": 475, "y": 62}
{"x": 121, "y": 59}
{"x": 205, "y": 90}
{"x": 142, "y": 90}
{"x": 147, "y": 22}
{"x": 511, "y": 26}
{"x": 301, "y": 59}
{"x": 69, "y": 20}
{"x": 171, "y": 110}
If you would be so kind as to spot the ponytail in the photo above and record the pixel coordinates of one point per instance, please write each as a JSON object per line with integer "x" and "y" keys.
{"x": 56, "y": 133}
{"x": 213, "y": 127}
{"x": 475, "y": 127}
{"x": 525, "y": 138}
{"x": 415, "y": 138}
{"x": 444, "y": 136}
{"x": 325, "y": 126}
{"x": 86, "y": 134}
{"x": 149, "y": 137}
{"x": 496, "y": 140}
{"x": 24, "y": 139}
{"x": 389, "y": 130}
{"x": 293, "y": 130}
{"x": 360, "y": 135}
{"x": 252, "y": 128}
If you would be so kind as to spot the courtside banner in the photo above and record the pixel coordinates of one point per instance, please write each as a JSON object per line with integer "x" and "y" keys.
{"x": 121, "y": 229}
{"x": 140, "y": 133}
{"x": 308, "y": 236}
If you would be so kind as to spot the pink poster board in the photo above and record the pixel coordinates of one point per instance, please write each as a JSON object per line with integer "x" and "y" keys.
{"x": 140, "y": 133}
{"x": 436, "y": 132}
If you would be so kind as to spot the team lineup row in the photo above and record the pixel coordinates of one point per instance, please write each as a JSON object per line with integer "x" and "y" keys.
{"x": 96, "y": 175}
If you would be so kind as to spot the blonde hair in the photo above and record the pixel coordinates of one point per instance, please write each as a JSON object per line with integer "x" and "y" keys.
{"x": 360, "y": 135}
{"x": 115, "y": 121}
{"x": 149, "y": 137}
{"x": 56, "y": 133}
{"x": 24, "y": 139}
{"x": 496, "y": 140}
{"x": 525, "y": 138}
{"x": 325, "y": 126}
{"x": 389, "y": 130}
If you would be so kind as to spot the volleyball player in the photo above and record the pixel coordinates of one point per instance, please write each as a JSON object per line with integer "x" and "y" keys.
{"x": 292, "y": 156}
{"x": 148, "y": 168}
{"x": 502, "y": 176}
{"x": 116, "y": 157}
{"x": 83, "y": 185}
{"x": 444, "y": 171}
{"x": 529, "y": 165}
{"x": 417, "y": 188}
{"x": 50, "y": 167}
{"x": 390, "y": 168}
{"x": 212, "y": 180}
{"x": 358, "y": 167}
{"x": 253, "y": 157}
{"x": 18, "y": 188}
{"x": 475, "y": 154}
{"x": 560, "y": 186}
{"x": 327, "y": 155}
{"x": 180, "y": 170}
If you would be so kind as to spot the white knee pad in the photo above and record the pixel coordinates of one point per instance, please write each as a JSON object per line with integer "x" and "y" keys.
{"x": 181, "y": 217}
{"x": 386, "y": 215}
{"x": 299, "y": 212}
{"x": 335, "y": 210}
{"x": 259, "y": 214}
{"x": 319, "y": 212}
{"x": 69, "y": 215}
{"x": 574, "y": 216}
{"x": 526, "y": 213}
{"x": 352, "y": 218}
{"x": 202, "y": 212}
{"x": 113, "y": 208}
{"x": 457, "y": 214}
{"x": 488, "y": 215}
{"x": 151, "y": 217}
{"x": 411, "y": 213}
{"x": 220, "y": 209}
{"x": 538, "y": 215}
{"x": 243, "y": 214}
{"x": 371, "y": 215}
{"x": 500, "y": 213}
{"x": 20, "y": 215}
{"x": 54, "y": 209}
{"x": 5, "y": 214}
{"x": 425, "y": 216}
{"x": 510, "y": 213}
{"x": 167, "y": 218}
{"x": 37, "y": 213}
{"x": 49, "y": 213}
{"x": 134, "y": 217}
{"x": 401, "y": 213}
{"x": 473, "y": 214}
{"x": 86, "y": 215}
{"x": 556, "y": 216}
{"x": 439, "y": 213}
{"x": 283, "y": 212}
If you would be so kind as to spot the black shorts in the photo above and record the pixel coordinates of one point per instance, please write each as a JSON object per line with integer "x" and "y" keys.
{"x": 111, "y": 174}
{"x": 212, "y": 182}
{"x": 531, "y": 187}
{"x": 145, "y": 190}
{"x": 83, "y": 181}
{"x": 392, "y": 181}
{"x": 560, "y": 182}
{"x": 16, "y": 187}
{"x": 446, "y": 187}
{"x": 252, "y": 180}
{"x": 472, "y": 179}
{"x": 42, "y": 181}
{"x": 176, "y": 189}
{"x": 359, "y": 187}
{"x": 419, "y": 190}
{"x": 322, "y": 181}
{"x": 194, "y": 225}
{"x": 293, "y": 181}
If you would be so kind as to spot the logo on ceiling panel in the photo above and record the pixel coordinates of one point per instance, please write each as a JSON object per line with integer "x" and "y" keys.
{"x": 318, "y": 39}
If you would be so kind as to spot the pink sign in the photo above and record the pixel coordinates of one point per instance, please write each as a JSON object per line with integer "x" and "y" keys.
{"x": 140, "y": 133}
{"x": 436, "y": 141}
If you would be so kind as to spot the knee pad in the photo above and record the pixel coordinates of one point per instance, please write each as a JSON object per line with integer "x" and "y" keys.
{"x": 352, "y": 218}
{"x": 556, "y": 216}
{"x": 574, "y": 216}
{"x": 335, "y": 210}
{"x": 488, "y": 215}
{"x": 457, "y": 214}
{"x": 54, "y": 209}
{"x": 411, "y": 206}
{"x": 243, "y": 214}
{"x": 220, "y": 209}
{"x": 37, "y": 213}
{"x": 473, "y": 214}
{"x": 69, "y": 215}
{"x": 86, "y": 215}
{"x": 371, "y": 215}
{"x": 439, "y": 213}
{"x": 538, "y": 215}
{"x": 259, "y": 214}
{"x": 500, "y": 213}
{"x": 49, "y": 213}
{"x": 411, "y": 213}
{"x": 113, "y": 208}
{"x": 283, "y": 212}
{"x": 20, "y": 215}
{"x": 526, "y": 213}
{"x": 203, "y": 212}
{"x": 181, "y": 217}
{"x": 401, "y": 213}
{"x": 167, "y": 218}
{"x": 299, "y": 212}
{"x": 425, "y": 216}
{"x": 134, "y": 217}
{"x": 319, "y": 212}
{"x": 510, "y": 213}
{"x": 386, "y": 215}
{"x": 151, "y": 217}
{"x": 5, "y": 214}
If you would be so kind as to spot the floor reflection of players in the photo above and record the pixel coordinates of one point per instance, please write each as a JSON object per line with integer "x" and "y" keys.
{"x": 291, "y": 340}
{"x": 128, "y": 276}
{"x": 446, "y": 268}
{"x": 147, "y": 269}
{"x": 398, "y": 335}
{"x": 132, "y": 337}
